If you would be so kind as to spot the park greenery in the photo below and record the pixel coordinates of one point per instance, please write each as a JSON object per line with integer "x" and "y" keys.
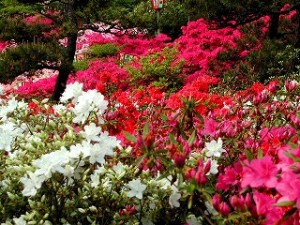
{"x": 111, "y": 116}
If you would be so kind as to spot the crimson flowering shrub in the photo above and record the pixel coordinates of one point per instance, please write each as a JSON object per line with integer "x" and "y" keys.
{"x": 234, "y": 156}
{"x": 2, "y": 46}
{"x": 200, "y": 46}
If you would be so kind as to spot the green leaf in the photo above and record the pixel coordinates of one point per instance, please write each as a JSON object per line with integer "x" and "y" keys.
{"x": 260, "y": 154}
{"x": 192, "y": 138}
{"x": 285, "y": 203}
{"x": 292, "y": 156}
{"x": 164, "y": 117}
{"x": 130, "y": 137}
{"x": 249, "y": 155}
{"x": 173, "y": 140}
{"x": 146, "y": 130}
{"x": 140, "y": 160}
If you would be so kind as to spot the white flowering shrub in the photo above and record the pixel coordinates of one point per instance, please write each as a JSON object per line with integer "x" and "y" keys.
{"x": 59, "y": 166}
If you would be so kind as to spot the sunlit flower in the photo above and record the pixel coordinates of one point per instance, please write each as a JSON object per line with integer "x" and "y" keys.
{"x": 87, "y": 102}
{"x": 97, "y": 154}
{"x": 213, "y": 167}
{"x": 20, "y": 221}
{"x": 136, "y": 188}
{"x": 8, "y": 132}
{"x": 174, "y": 198}
{"x": 192, "y": 220}
{"x": 91, "y": 132}
{"x": 72, "y": 91}
{"x": 32, "y": 183}
{"x": 214, "y": 148}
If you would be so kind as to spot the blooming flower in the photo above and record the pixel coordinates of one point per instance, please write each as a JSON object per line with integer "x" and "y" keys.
{"x": 8, "y": 132}
{"x": 97, "y": 154}
{"x": 136, "y": 189}
{"x": 19, "y": 221}
{"x": 192, "y": 220}
{"x": 259, "y": 173}
{"x": 213, "y": 167}
{"x": 32, "y": 183}
{"x": 51, "y": 163}
{"x": 174, "y": 198}
{"x": 2, "y": 89}
{"x": 214, "y": 148}
{"x": 72, "y": 91}
{"x": 288, "y": 187}
{"x": 87, "y": 102}
{"x": 91, "y": 132}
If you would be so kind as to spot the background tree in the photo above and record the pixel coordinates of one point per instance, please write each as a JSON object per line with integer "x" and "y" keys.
{"x": 235, "y": 13}
{"x": 36, "y": 27}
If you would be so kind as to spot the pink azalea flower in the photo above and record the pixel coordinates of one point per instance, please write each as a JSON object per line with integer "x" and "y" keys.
{"x": 288, "y": 187}
{"x": 230, "y": 177}
{"x": 210, "y": 128}
{"x": 259, "y": 173}
{"x": 263, "y": 202}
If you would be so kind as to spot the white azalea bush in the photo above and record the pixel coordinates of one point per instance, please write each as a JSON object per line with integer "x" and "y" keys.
{"x": 59, "y": 166}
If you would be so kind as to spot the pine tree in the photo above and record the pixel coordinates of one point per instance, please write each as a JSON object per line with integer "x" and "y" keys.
{"x": 234, "y": 13}
{"x": 36, "y": 27}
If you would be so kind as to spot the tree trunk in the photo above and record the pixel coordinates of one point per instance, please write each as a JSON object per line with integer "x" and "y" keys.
{"x": 66, "y": 66}
{"x": 274, "y": 24}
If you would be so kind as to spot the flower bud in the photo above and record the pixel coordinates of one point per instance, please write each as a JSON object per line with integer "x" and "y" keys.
{"x": 179, "y": 160}
{"x": 291, "y": 85}
{"x": 224, "y": 209}
{"x": 216, "y": 200}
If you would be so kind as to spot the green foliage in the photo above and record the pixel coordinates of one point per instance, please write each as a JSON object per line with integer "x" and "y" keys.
{"x": 81, "y": 65}
{"x": 274, "y": 59}
{"x": 103, "y": 50}
{"x": 27, "y": 57}
{"x": 161, "y": 69}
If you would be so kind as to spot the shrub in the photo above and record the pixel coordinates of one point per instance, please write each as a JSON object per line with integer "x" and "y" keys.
{"x": 103, "y": 50}
{"x": 161, "y": 69}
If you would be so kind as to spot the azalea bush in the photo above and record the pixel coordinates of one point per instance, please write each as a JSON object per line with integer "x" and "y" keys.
{"x": 59, "y": 166}
{"x": 155, "y": 139}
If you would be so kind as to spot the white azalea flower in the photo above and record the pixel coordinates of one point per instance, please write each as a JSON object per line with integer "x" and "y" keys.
{"x": 109, "y": 143}
{"x": 72, "y": 91}
{"x": 59, "y": 108}
{"x": 214, "y": 148}
{"x": 87, "y": 102}
{"x": 213, "y": 167}
{"x": 67, "y": 171}
{"x": 97, "y": 154}
{"x": 95, "y": 180}
{"x": 91, "y": 132}
{"x": 174, "y": 197}
{"x": 146, "y": 221}
{"x": 51, "y": 162}
{"x": 20, "y": 221}
{"x": 12, "y": 104}
{"x": 75, "y": 151}
{"x": 136, "y": 189}
{"x": 8, "y": 132}
{"x": 192, "y": 220}
{"x": 32, "y": 183}
{"x": 82, "y": 111}
{"x": 2, "y": 89}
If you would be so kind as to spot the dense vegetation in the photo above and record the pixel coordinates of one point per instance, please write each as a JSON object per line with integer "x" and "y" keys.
{"x": 196, "y": 125}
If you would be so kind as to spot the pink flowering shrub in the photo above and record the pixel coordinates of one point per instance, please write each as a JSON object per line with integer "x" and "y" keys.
{"x": 2, "y": 46}
{"x": 244, "y": 145}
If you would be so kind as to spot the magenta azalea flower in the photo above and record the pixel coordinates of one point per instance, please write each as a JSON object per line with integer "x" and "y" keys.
{"x": 260, "y": 173}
